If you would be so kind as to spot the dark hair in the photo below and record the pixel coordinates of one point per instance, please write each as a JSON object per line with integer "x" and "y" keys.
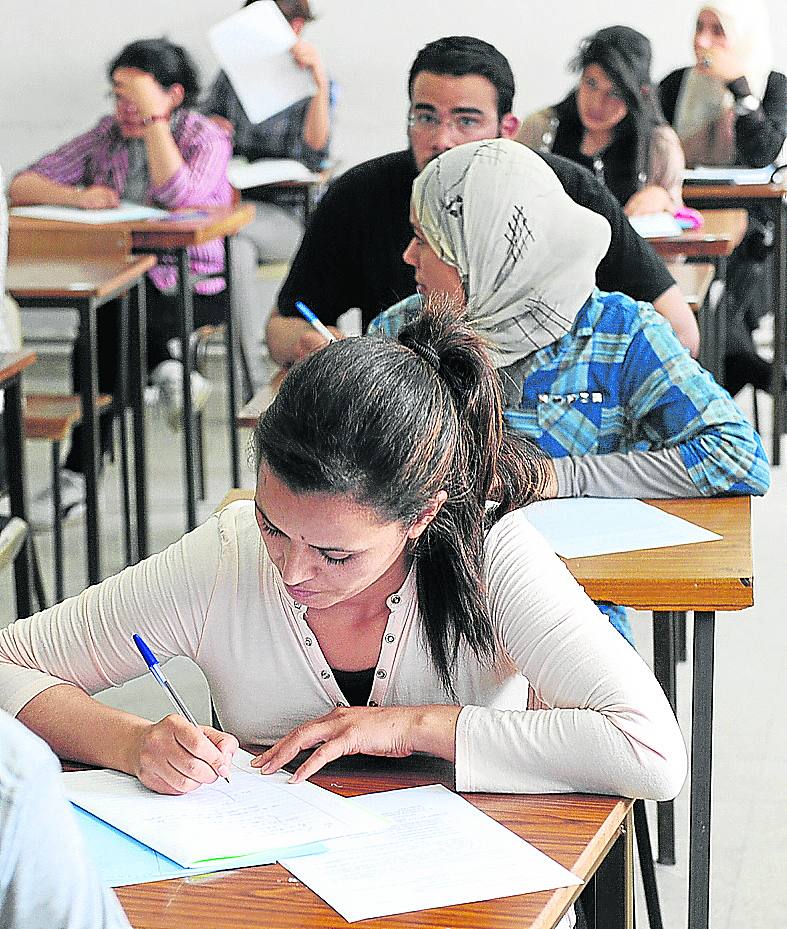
{"x": 625, "y": 56}
{"x": 290, "y": 9}
{"x": 391, "y": 423}
{"x": 168, "y": 63}
{"x": 460, "y": 55}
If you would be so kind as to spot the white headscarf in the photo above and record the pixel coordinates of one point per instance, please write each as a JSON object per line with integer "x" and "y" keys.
{"x": 526, "y": 252}
{"x": 704, "y": 111}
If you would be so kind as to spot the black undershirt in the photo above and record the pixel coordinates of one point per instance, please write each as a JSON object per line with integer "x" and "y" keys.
{"x": 355, "y": 685}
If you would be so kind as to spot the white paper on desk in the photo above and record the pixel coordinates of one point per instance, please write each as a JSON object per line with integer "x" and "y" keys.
{"x": 242, "y": 173}
{"x": 655, "y": 225}
{"x": 576, "y": 527}
{"x": 728, "y": 175}
{"x": 439, "y": 851}
{"x": 125, "y": 212}
{"x": 253, "y": 47}
{"x": 219, "y": 820}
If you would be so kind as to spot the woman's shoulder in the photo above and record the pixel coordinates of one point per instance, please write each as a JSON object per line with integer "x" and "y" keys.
{"x": 194, "y": 124}
{"x": 538, "y": 129}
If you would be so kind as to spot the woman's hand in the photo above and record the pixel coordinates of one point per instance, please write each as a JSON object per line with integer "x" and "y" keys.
{"x": 311, "y": 340}
{"x": 174, "y": 757}
{"x": 307, "y": 56}
{"x": 722, "y": 63}
{"x": 651, "y": 199}
{"x": 96, "y": 197}
{"x": 393, "y": 732}
{"x": 144, "y": 93}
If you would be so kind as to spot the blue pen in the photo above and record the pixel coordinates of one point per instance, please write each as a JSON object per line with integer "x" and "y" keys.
{"x": 155, "y": 669}
{"x": 311, "y": 318}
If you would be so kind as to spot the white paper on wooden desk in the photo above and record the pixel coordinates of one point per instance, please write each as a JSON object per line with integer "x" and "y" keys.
{"x": 219, "y": 820}
{"x": 253, "y": 47}
{"x": 439, "y": 851}
{"x": 655, "y": 225}
{"x": 728, "y": 175}
{"x": 576, "y": 527}
{"x": 242, "y": 173}
{"x": 125, "y": 212}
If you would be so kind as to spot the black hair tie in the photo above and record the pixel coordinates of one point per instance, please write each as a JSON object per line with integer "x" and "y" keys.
{"x": 427, "y": 352}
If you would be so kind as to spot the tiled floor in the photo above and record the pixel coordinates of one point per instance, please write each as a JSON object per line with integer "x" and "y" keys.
{"x": 749, "y": 856}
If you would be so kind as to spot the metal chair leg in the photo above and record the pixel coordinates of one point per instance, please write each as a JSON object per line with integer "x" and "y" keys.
{"x": 57, "y": 523}
{"x": 648, "y": 872}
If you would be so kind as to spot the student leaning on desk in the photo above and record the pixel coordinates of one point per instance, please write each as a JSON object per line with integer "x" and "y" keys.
{"x": 598, "y": 380}
{"x": 366, "y": 601}
{"x": 155, "y": 150}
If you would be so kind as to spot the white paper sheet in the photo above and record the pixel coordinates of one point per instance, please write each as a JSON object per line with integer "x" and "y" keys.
{"x": 655, "y": 225}
{"x": 242, "y": 173}
{"x": 728, "y": 175}
{"x": 580, "y": 526}
{"x": 253, "y": 47}
{"x": 125, "y": 212}
{"x": 246, "y": 817}
{"x": 439, "y": 851}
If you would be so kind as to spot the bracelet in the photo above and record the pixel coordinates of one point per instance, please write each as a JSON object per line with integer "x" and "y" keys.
{"x": 159, "y": 118}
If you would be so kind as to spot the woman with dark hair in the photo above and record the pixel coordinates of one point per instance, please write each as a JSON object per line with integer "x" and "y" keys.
{"x": 366, "y": 601}
{"x": 152, "y": 150}
{"x": 612, "y": 124}
{"x": 730, "y": 108}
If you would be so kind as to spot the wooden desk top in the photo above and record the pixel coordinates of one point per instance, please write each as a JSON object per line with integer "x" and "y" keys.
{"x": 716, "y": 237}
{"x": 730, "y": 193}
{"x": 574, "y": 829}
{"x": 694, "y": 281}
{"x": 705, "y": 576}
{"x": 220, "y": 221}
{"x": 30, "y": 278}
{"x": 13, "y": 363}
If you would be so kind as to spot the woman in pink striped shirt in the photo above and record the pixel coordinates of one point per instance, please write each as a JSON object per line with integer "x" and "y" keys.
{"x": 152, "y": 150}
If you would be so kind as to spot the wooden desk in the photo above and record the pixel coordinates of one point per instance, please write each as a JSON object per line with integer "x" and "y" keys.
{"x": 85, "y": 285}
{"x": 12, "y": 364}
{"x": 575, "y": 829}
{"x": 774, "y": 198}
{"x": 175, "y": 237}
{"x": 704, "y": 578}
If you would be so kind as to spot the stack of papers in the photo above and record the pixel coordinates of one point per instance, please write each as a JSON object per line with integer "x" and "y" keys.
{"x": 253, "y": 47}
{"x": 728, "y": 175}
{"x": 242, "y": 173}
{"x": 656, "y": 225}
{"x": 125, "y": 212}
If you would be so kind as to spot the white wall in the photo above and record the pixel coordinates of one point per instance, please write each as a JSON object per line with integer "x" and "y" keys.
{"x": 54, "y": 55}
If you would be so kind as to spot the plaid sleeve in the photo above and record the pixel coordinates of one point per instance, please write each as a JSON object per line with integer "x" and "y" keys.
{"x": 676, "y": 403}
{"x": 68, "y": 164}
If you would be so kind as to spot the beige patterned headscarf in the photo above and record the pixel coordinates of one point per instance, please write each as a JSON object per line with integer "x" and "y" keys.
{"x": 526, "y": 252}
{"x": 705, "y": 108}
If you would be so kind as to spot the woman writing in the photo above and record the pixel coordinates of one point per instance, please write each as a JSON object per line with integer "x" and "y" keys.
{"x": 153, "y": 150}
{"x": 612, "y": 124}
{"x": 363, "y": 603}
{"x": 730, "y": 108}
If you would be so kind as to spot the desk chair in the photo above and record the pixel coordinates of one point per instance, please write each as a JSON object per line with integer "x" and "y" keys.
{"x": 15, "y": 538}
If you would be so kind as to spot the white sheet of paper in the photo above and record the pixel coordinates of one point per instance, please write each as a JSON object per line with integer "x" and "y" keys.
{"x": 439, "y": 851}
{"x": 655, "y": 225}
{"x": 580, "y": 526}
{"x": 728, "y": 175}
{"x": 219, "y": 820}
{"x": 253, "y": 47}
{"x": 125, "y": 212}
{"x": 242, "y": 173}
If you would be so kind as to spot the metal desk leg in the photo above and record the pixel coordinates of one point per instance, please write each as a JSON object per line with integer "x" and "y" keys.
{"x": 138, "y": 368}
{"x": 90, "y": 445}
{"x": 779, "y": 333}
{"x": 608, "y": 896}
{"x": 664, "y": 670}
{"x": 15, "y": 461}
{"x": 120, "y": 403}
{"x": 186, "y": 314}
{"x": 701, "y": 759}
{"x": 720, "y": 344}
{"x": 230, "y": 341}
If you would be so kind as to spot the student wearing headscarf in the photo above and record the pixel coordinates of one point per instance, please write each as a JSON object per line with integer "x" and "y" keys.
{"x": 730, "y": 108}
{"x": 599, "y": 381}
{"x": 612, "y": 124}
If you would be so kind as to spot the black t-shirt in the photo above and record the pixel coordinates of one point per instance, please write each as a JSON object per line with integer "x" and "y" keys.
{"x": 351, "y": 254}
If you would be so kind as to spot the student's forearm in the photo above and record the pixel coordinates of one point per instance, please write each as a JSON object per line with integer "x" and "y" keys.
{"x": 29, "y": 188}
{"x": 80, "y": 728}
{"x": 164, "y": 158}
{"x": 673, "y": 307}
{"x": 282, "y": 337}
{"x": 655, "y": 475}
{"x": 317, "y": 123}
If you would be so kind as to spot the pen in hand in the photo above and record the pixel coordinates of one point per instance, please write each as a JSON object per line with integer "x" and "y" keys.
{"x": 155, "y": 669}
{"x": 312, "y": 319}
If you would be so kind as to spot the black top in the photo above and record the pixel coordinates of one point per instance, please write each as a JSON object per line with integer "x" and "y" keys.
{"x": 351, "y": 254}
{"x": 355, "y": 685}
{"x": 759, "y": 135}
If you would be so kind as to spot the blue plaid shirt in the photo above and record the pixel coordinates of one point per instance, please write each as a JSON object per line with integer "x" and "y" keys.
{"x": 620, "y": 381}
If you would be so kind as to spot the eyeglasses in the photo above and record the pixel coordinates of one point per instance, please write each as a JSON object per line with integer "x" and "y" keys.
{"x": 424, "y": 122}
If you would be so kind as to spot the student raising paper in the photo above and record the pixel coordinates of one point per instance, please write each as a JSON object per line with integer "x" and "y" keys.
{"x": 366, "y": 601}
